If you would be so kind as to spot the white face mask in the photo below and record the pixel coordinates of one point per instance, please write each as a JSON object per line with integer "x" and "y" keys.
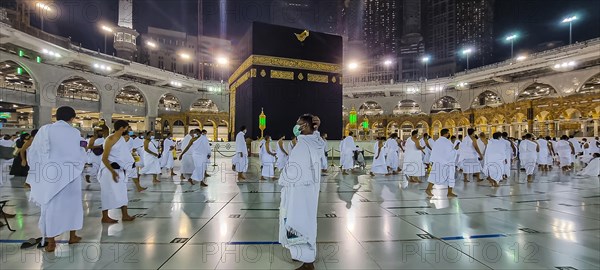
{"x": 195, "y": 135}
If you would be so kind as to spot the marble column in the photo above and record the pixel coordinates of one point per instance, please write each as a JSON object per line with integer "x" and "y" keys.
{"x": 149, "y": 123}
{"x": 596, "y": 127}
{"x": 107, "y": 116}
{"x": 42, "y": 115}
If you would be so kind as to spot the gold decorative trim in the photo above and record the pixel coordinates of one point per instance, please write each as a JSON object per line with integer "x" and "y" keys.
{"x": 245, "y": 65}
{"x": 263, "y": 73}
{"x": 333, "y": 79}
{"x": 284, "y": 75}
{"x": 281, "y": 62}
{"x": 240, "y": 81}
{"x": 253, "y": 73}
{"x": 318, "y": 78}
{"x": 300, "y": 76}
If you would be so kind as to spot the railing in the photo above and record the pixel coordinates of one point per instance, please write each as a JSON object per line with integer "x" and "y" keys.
{"x": 366, "y": 79}
{"x": 17, "y": 87}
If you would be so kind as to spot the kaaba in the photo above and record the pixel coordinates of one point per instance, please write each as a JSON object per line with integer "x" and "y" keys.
{"x": 284, "y": 73}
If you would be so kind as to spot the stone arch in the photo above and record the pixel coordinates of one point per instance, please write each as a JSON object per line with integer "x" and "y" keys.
{"x": 445, "y": 104}
{"x": 77, "y": 87}
{"x": 169, "y": 102}
{"x": 407, "y": 106}
{"x": 571, "y": 114}
{"x": 25, "y": 82}
{"x": 370, "y": 108}
{"x": 543, "y": 116}
{"x": 591, "y": 85}
{"x": 424, "y": 126}
{"x": 131, "y": 95}
{"x": 436, "y": 128}
{"x": 536, "y": 90}
{"x": 130, "y": 100}
{"x": 204, "y": 105}
{"x": 487, "y": 98}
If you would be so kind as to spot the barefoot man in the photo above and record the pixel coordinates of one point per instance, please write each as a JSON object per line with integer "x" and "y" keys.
{"x": 117, "y": 161}
{"x": 443, "y": 157}
{"x": 240, "y": 160}
{"x": 57, "y": 160}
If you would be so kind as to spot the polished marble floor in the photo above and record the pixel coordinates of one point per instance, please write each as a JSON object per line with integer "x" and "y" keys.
{"x": 363, "y": 223}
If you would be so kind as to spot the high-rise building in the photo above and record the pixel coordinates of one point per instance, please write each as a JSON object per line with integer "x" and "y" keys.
{"x": 193, "y": 56}
{"x": 315, "y": 15}
{"x": 411, "y": 43}
{"x": 474, "y": 28}
{"x": 382, "y": 28}
{"x": 453, "y": 25}
{"x": 125, "y": 36}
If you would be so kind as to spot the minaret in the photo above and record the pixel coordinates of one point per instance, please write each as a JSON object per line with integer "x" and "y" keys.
{"x": 125, "y": 36}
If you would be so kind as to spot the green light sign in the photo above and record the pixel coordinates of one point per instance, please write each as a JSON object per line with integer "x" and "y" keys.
{"x": 4, "y": 115}
{"x": 365, "y": 125}
{"x": 20, "y": 70}
{"x": 353, "y": 119}
{"x": 21, "y": 53}
{"x": 38, "y": 59}
{"x": 263, "y": 122}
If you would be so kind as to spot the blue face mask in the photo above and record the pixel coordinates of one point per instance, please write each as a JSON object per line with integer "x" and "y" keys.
{"x": 151, "y": 137}
{"x": 297, "y": 130}
{"x": 131, "y": 133}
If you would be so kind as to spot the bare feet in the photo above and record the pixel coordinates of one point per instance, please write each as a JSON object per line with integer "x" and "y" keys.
{"x": 50, "y": 247}
{"x": 429, "y": 193}
{"x": 452, "y": 195}
{"x": 371, "y": 173}
{"x": 262, "y": 178}
{"x": 306, "y": 266}
{"x": 28, "y": 186}
{"x": 140, "y": 188}
{"x": 344, "y": 173}
{"x": 191, "y": 181}
{"x": 109, "y": 220}
{"x": 155, "y": 181}
{"x": 74, "y": 240}
{"x": 6, "y": 215}
{"x": 128, "y": 218}
{"x": 202, "y": 184}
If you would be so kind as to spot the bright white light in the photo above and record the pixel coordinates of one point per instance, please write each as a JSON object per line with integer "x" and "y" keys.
{"x": 185, "y": 56}
{"x": 108, "y": 68}
{"x": 572, "y": 64}
{"x": 467, "y": 51}
{"x": 353, "y": 65}
{"x": 387, "y": 63}
{"x": 511, "y": 37}
{"x": 521, "y": 57}
{"x": 44, "y": 51}
{"x": 176, "y": 84}
{"x": 96, "y": 65}
{"x": 43, "y": 6}
{"x": 107, "y": 29}
{"x": 151, "y": 44}
{"x": 425, "y": 59}
{"x": 222, "y": 60}
{"x": 569, "y": 19}
{"x": 564, "y": 64}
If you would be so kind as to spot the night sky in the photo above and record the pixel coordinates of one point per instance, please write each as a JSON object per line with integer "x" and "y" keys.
{"x": 537, "y": 21}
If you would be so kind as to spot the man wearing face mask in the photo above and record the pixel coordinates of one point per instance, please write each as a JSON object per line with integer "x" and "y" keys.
{"x": 186, "y": 156}
{"x": 151, "y": 157}
{"x": 187, "y": 164}
{"x": 200, "y": 154}
{"x": 132, "y": 173}
{"x": 166, "y": 160}
{"x": 443, "y": 156}
{"x": 240, "y": 160}
{"x": 300, "y": 181}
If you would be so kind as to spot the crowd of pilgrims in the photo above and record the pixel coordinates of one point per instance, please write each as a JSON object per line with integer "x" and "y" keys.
{"x": 56, "y": 159}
